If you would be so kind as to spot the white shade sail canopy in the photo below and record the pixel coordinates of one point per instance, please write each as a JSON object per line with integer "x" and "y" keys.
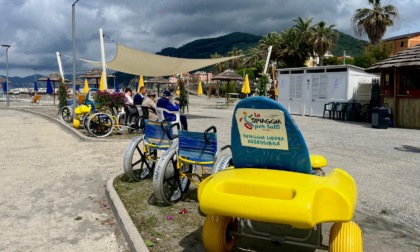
{"x": 132, "y": 61}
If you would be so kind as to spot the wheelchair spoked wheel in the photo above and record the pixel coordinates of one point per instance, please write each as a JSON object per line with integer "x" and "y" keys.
{"x": 222, "y": 162}
{"x": 100, "y": 125}
{"x": 167, "y": 185}
{"x": 85, "y": 119}
{"x": 345, "y": 237}
{"x": 137, "y": 164}
{"x": 66, "y": 114}
{"x": 217, "y": 233}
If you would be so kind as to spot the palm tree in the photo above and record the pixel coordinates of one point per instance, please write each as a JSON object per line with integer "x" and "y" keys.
{"x": 374, "y": 21}
{"x": 323, "y": 38}
{"x": 235, "y": 61}
{"x": 252, "y": 56}
{"x": 303, "y": 26}
{"x": 293, "y": 51}
{"x": 271, "y": 39}
{"x": 220, "y": 67}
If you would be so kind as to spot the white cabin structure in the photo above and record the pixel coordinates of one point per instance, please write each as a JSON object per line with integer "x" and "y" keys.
{"x": 305, "y": 90}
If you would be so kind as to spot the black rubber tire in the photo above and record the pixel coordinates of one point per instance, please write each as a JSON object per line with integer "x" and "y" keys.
{"x": 167, "y": 185}
{"x": 138, "y": 165}
{"x": 100, "y": 125}
{"x": 66, "y": 114}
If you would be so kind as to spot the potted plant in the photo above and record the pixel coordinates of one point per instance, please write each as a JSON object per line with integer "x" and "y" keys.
{"x": 117, "y": 100}
{"x": 102, "y": 98}
{"x": 183, "y": 96}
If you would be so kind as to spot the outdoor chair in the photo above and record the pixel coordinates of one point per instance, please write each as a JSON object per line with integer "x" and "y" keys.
{"x": 129, "y": 113}
{"x": 365, "y": 112}
{"x": 339, "y": 110}
{"x": 352, "y": 112}
{"x": 271, "y": 182}
{"x": 161, "y": 115}
{"x": 36, "y": 100}
{"x": 328, "y": 107}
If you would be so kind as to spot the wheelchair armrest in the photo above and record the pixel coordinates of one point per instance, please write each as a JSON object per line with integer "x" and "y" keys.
{"x": 225, "y": 147}
{"x": 207, "y": 131}
{"x": 167, "y": 129}
{"x": 161, "y": 116}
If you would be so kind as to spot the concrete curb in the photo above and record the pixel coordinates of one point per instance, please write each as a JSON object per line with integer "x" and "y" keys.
{"x": 131, "y": 234}
{"x": 64, "y": 126}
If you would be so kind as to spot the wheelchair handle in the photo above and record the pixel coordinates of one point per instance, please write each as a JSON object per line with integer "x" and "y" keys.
{"x": 225, "y": 147}
{"x": 168, "y": 129}
{"x": 207, "y": 131}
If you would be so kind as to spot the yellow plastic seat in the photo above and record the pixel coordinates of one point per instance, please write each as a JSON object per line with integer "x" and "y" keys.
{"x": 283, "y": 197}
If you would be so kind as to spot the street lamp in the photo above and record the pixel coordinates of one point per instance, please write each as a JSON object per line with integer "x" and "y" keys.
{"x": 73, "y": 8}
{"x": 7, "y": 73}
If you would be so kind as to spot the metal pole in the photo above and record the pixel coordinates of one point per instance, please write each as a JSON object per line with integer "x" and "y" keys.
{"x": 268, "y": 59}
{"x": 7, "y": 73}
{"x": 344, "y": 58}
{"x": 35, "y": 68}
{"x": 73, "y": 7}
{"x": 101, "y": 40}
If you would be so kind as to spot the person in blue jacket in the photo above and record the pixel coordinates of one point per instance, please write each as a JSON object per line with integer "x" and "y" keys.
{"x": 165, "y": 102}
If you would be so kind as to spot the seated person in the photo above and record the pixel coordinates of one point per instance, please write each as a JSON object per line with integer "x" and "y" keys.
{"x": 129, "y": 104}
{"x": 165, "y": 102}
{"x": 139, "y": 97}
{"x": 149, "y": 101}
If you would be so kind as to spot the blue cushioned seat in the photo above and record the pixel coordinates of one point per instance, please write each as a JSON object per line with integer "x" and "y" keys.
{"x": 264, "y": 135}
{"x": 193, "y": 146}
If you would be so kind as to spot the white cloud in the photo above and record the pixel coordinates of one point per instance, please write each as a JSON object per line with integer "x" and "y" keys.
{"x": 39, "y": 28}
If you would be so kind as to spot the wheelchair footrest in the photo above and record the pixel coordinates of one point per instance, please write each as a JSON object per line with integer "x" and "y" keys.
{"x": 273, "y": 196}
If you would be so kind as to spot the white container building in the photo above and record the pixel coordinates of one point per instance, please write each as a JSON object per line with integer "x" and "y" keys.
{"x": 305, "y": 90}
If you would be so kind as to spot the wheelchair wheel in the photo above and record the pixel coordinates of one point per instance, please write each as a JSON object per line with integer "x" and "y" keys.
{"x": 133, "y": 128}
{"x": 100, "y": 125}
{"x": 66, "y": 114}
{"x": 85, "y": 119}
{"x": 137, "y": 165}
{"x": 222, "y": 162}
{"x": 345, "y": 237}
{"x": 217, "y": 234}
{"x": 167, "y": 185}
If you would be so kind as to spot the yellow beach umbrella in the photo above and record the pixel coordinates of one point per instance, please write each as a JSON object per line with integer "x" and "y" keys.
{"x": 141, "y": 83}
{"x": 277, "y": 89}
{"x": 102, "y": 82}
{"x": 86, "y": 87}
{"x": 245, "y": 87}
{"x": 199, "y": 89}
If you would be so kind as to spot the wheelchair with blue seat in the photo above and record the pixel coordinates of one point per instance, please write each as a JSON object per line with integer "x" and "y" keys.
{"x": 191, "y": 161}
{"x": 143, "y": 151}
{"x": 272, "y": 183}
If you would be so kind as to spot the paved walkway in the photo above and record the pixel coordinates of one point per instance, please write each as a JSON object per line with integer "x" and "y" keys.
{"x": 52, "y": 195}
{"x": 53, "y": 182}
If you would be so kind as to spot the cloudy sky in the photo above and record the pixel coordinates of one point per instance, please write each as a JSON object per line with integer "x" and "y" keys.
{"x": 37, "y": 29}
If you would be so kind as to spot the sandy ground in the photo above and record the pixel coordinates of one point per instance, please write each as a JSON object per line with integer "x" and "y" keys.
{"x": 384, "y": 163}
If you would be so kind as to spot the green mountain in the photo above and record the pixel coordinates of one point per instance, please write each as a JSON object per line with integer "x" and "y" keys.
{"x": 353, "y": 47}
{"x": 203, "y": 48}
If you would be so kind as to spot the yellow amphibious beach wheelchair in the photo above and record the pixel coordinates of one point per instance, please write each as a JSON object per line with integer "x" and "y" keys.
{"x": 272, "y": 184}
